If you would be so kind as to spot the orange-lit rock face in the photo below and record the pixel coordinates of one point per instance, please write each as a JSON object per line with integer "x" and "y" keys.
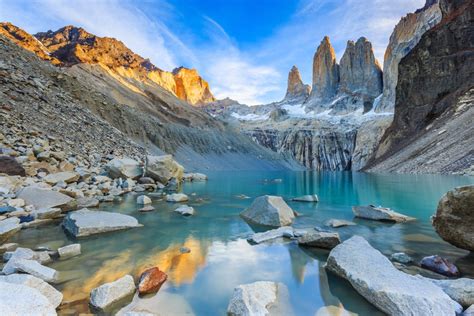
{"x": 296, "y": 88}
{"x": 325, "y": 71}
{"x": 72, "y": 45}
{"x": 27, "y": 41}
{"x": 191, "y": 87}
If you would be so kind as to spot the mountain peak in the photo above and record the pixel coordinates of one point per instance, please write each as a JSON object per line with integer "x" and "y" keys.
{"x": 325, "y": 71}
{"x": 296, "y": 90}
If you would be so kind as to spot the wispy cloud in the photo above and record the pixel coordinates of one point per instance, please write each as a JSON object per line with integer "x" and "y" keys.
{"x": 254, "y": 75}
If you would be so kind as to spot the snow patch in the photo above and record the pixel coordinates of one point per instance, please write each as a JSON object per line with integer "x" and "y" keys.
{"x": 250, "y": 117}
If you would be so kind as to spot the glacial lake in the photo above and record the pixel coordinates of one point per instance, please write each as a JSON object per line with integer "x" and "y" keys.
{"x": 202, "y": 281}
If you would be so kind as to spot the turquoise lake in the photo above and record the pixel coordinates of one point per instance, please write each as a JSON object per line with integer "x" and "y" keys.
{"x": 201, "y": 282}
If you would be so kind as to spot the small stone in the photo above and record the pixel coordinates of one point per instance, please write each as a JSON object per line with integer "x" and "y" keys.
{"x": 177, "y": 197}
{"x": 280, "y": 232}
{"x": 184, "y": 250}
{"x": 87, "y": 202}
{"x": 440, "y": 265}
{"x": 143, "y": 200}
{"x": 401, "y": 257}
{"x": 65, "y": 176}
{"x": 151, "y": 281}
{"x": 380, "y": 214}
{"x": 185, "y": 210}
{"x": 69, "y": 251}
{"x": 336, "y": 223}
{"x": 306, "y": 198}
{"x": 47, "y": 213}
{"x": 16, "y": 203}
{"x": 147, "y": 208}
{"x": 8, "y": 227}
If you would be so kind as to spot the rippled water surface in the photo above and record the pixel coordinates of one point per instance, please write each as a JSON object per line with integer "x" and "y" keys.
{"x": 202, "y": 281}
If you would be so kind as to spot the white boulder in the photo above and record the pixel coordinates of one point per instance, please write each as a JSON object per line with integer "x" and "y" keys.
{"x": 269, "y": 211}
{"x": 107, "y": 294}
{"x": 124, "y": 168}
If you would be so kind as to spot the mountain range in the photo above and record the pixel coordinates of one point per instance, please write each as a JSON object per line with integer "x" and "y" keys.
{"x": 411, "y": 116}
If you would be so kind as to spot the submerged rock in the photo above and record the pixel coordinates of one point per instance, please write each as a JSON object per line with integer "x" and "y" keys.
{"x": 401, "y": 257}
{"x": 69, "y": 251}
{"x": 280, "y": 232}
{"x": 390, "y": 290}
{"x": 336, "y": 223}
{"x": 54, "y": 296}
{"x": 147, "y": 208}
{"x": 19, "y": 299}
{"x": 177, "y": 197}
{"x": 269, "y": 211}
{"x": 440, "y": 265}
{"x": 185, "y": 210}
{"x": 84, "y": 222}
{"x": 379, "y": 214}
{"x": 326, "y": 240}
{"x": 306, "y": 198}
{"x": 454, "y": 218}
{"x": 151, "y": 281}
{"x": 260, "y": 298}
{"x": 108, "y": 294}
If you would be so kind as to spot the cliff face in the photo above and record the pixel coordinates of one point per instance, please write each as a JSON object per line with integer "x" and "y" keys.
{"x": 405, "y": 36}
{"x": 297, "y": 91}
{"x": 71, "y": 45}
{"x": 359, "y": 70}
{"x": 435, "y": 89}
{"x": 325, "y": 72}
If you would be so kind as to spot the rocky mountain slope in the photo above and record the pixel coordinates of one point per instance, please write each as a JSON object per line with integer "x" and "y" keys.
{"x": 433, "y": 126}
{"x": 405, "y": 36}
{"x": 96, "y": 114}
{"x": 72, "y": 45}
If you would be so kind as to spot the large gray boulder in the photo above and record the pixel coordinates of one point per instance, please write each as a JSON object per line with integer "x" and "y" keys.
{"x": 380, "y": 214}
{"x": 163, "y": 168}
{"x": 19, "y": 299}
{"x": 454, "y": 218}
{"x": 8, "y": 227}
{"x": 461, "y": 290}
{"x": 124, "y": 168}
{"x": 390, "y": 290}
{"x": 260, "y": 298}
{"x": 54, "y": 296}
{"x": 44, "y": 198}
{"x": 269, "y": 210}
{"x": 85, "y": 222}
{"x": 108, "y": 294}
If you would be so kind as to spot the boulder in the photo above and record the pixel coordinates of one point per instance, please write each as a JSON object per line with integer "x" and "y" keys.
{"x": 46, "y": 213}
{"x": 143, "y": 200}
{"x": 390, "y": 290}
{"x": 11, "y": 167}
{"x": 379, "y": 214}
{"x": 269, "y": 211}
{"x": 469, "y": 311}
{"x": 326, "y": 240}
{"x": 37, "y": 269}
{"x": 401, "y": 257}
{"x": 454, "y": 218}
{"x": 461, "y": 290}
{"x": 8, "y": 227}
{"x": 177, "y": 197}
{"x": 306, "y": 198}
{"x": 124, "y": 168}
{"x": 280, "y": 232}
{"x": 87, "y": 202}
{"x": 194, "y": 177}
{"x": 260, "y": 298}
{"x": 85, "y": 222}
{"x": 65, "y": 176}
{"x": 44, "y": 198}
{"x": 151, "y": 281}
{"x": 108, "y": 294}
{"x": 12, "y": 257}
{"x": 185, "y": 210}
{"x": 54, "y": 296}
{"x": 19, "y": 299}
{"x": 336, "y": 223}
{"x": 147, "y": 208}
{"x": 440, "y": 265}
{"x": 69, "y": 251}
{"x": 163, "y": 168}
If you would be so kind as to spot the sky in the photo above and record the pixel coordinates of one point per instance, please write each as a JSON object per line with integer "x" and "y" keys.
{"x": 243, "y": 48}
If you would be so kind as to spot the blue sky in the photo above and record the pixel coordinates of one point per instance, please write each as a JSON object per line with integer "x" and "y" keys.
{"x": 244, "y": 48}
